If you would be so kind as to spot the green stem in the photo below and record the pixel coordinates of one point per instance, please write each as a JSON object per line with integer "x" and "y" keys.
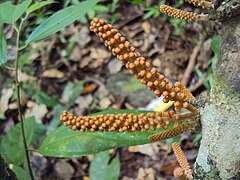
{"x": 17, "y": 84}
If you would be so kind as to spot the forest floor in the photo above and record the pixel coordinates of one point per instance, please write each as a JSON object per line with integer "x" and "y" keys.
{"x": 74, "y": 70}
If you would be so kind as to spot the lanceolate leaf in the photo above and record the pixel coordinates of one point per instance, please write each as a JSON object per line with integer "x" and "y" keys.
{"x": 100, "y": 169}
{"x": 64, "y": 142}
{"x": 9, "y": 13}
{"x": 60, "y": 19}
{"x": 3, "y": 46}
{"x": 202, "y": 78}
{"x": 38, "y": 5}
{"x": 12, "y": 148}
{"x": 21, "y": 173}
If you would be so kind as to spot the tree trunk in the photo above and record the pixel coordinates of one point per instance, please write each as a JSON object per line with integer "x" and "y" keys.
{"x": 219, "y": 153}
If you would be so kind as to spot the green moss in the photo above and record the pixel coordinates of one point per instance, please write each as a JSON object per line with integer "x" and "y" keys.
{"x": 222, "y": 94}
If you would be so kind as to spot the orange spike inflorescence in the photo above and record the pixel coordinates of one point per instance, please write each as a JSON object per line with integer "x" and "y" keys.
{"x": 170, "y": 133}
{"x": 201, "y": 3}
{"x": 120, "y": 122}
{"x": 180, "y": 14}
{"x": 147, "y": 75}
{"x": 138, "y": 65}
{"x": 184, "y": 170}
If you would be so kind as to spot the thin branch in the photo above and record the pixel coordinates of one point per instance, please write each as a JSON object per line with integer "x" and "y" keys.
{"x": 17, "y": 85}
{"x": 190, "y": 65}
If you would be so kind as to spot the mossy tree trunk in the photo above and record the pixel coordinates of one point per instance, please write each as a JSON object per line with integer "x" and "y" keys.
{"x": 219, "y": 153}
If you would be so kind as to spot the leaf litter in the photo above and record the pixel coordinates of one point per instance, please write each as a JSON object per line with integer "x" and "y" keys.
{"x": 67, "y": 58}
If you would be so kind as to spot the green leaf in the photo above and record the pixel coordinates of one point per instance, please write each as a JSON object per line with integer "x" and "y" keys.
{"x": 100, "y": 8}
{"x": 101, "y": 170}
{"x": 3, "y": 46}
{"x": 148, "y": 15}
{"x": 64, "y": 142}
{"x": 39, "y": 133}
{"x": 137, "y": 2}
{"x": 133, "y": 85}
{"x": 214, "y": 46}
{"x": 21, "y": 173}
{"x": 42, "y": 97}
{"x": 12, "y": 148}
{"x": 202, "y": 78}
{"x": 197, "y": 138}
{"x": 38, "y": 5}
{"x": 60, "y": 19}
{"x": 55, "y": 120}
{"x": 71, "y": 92}
{"x": 9, "y": 13}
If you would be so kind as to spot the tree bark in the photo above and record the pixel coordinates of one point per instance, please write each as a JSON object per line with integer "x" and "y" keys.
{"x": 219, "y": 153}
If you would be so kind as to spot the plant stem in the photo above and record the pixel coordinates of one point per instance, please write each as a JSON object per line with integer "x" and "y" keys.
{"x": 17, "y": 85}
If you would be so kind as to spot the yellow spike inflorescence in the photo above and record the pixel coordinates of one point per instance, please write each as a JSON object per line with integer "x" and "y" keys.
{"x": 201, "y": 3}
{"x": 180, "y": 14}
{"x": 138, "y": 65}
{"x": 184, "y": 172}
{"x": 170, "y": 133}
{"x": 120, "y": 122}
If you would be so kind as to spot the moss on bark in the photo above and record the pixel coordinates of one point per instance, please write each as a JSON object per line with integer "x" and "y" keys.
{"x": 219, "y": 154}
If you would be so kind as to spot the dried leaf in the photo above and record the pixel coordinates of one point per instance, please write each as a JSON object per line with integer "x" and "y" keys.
{"x": 36, "y": 110}
{"x": 76, "y": 54}
{"x": 89, "y": 88}
{"x": 168, "y": 168}
{"x": 99, "y": 56}
{"x": 64, "y": 169}
{"x": 148, "y": 173}
{"x": 133, "y": 149}
{"x": 5, "y": 96}
{"x": 114, "y": 66}
{"x": 150, "y": 150}
{"x": 105, "y": 103}
{"x": 53, "y": 73}
{"x": 83, "y": 37}
{"x": 84, "y": 102}
{"x": 146, "y": 26}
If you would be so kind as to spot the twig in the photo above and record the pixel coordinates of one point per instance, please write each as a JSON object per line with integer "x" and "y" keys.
{"x": 195, "y": 86}
{"x": 190, "y": 65}
{"x": 17, "y": 84}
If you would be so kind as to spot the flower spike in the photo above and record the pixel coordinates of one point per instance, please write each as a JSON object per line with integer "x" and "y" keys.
{"x": 138, "y": 65}
{"x": 155, "y": 82}
{"x": 180, "y": 14}
{"x": 122, "y": 122}
{"x": 184, "y": 172}
{"x": 170, "y": 133}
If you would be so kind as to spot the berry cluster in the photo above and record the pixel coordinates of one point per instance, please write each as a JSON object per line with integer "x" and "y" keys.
{"x": 138, "y": 65}
{"x": 179, "y": 14}
{"x": 123, "y": 122}
{"x": 184, "y": 171}
{"x": 201, "y": 3}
